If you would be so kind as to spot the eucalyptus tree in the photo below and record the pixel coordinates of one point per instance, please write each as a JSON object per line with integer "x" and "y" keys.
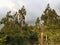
{"x": 21, "y": 16}
{"x": 49, "y": 16}
{"x": 37, "y": 23}
{"x": 5, "y": 20}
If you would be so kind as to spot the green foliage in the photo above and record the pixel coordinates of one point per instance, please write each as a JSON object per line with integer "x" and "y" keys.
{"x": 37, "y": 23}
{"x": 49, "y": 16}
{"x": 14, "y": 33}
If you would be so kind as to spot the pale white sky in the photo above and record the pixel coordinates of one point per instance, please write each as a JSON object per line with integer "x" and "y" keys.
{"x": 34, "y": 7}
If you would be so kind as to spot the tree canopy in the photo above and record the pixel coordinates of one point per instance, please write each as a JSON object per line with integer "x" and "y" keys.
{"x": 17, "y": 32}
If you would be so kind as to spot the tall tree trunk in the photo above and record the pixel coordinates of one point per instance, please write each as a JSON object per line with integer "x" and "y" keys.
{"x": 41, "y": 38}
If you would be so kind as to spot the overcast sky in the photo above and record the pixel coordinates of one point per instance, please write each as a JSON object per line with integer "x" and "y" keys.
{"x": 34, "y": 8}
